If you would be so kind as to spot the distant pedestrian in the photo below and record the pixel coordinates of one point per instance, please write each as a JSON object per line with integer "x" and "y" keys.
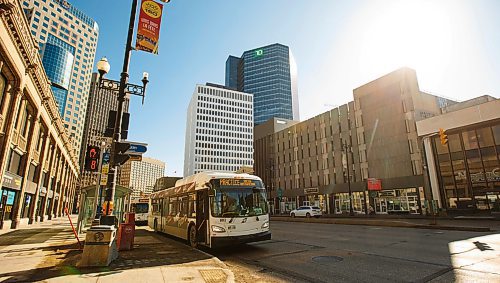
{"x": 370, "y": 210}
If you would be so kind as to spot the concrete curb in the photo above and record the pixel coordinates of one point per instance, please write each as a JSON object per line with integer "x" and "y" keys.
{"x": 384, "y": 223}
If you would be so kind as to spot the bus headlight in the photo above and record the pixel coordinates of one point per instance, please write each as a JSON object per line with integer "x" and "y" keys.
{"x": 265, "y": 225}
{"x": 218, "y": 229}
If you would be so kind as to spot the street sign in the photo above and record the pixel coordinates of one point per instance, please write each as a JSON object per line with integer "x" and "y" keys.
{"x": 135, "y": 158}
{"x": 104, "y": 180}
{"x": 280, "y": 192}
{"x": 105, "y": 158}
{"x": 105, "y": 169}
{"x": 136, "y": 148}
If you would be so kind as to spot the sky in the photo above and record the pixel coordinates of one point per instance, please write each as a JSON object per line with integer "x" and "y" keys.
{"x": 338, "y": 45}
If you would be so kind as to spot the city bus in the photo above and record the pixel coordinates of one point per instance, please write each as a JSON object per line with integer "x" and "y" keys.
{"x": 212, "y": 209}
{"x": 141, "y": 209}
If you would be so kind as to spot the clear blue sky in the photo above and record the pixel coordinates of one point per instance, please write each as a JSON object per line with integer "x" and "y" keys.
{"x": 338, "y": 45}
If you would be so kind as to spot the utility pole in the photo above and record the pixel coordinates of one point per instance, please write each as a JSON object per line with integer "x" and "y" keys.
{"x": 347, "y": 151}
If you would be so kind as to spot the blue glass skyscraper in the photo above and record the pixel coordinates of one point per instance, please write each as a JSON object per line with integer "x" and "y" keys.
{"x": 57, "y": 58}
{"x": 68, "y": 40}
{"x": 270, "y": 74}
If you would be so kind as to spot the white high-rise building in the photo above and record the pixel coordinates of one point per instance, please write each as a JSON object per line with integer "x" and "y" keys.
{"x": 67, "y": 39}
{"x": 219, "y": 130}
{"x": 141, "y": 176}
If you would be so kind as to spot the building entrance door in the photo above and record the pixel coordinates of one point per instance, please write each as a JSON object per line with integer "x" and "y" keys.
{"x": 338, "y": 206}
{"x": 380, "y": 205}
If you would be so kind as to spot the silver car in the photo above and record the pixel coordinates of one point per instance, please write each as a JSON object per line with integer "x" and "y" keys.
{"x": 307, "y": 211}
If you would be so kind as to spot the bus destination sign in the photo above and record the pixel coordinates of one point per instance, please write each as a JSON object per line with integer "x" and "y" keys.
{"x": 237, "y": 183}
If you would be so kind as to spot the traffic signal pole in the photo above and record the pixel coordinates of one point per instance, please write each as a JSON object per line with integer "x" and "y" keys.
{"x": 98, "y": 184}
{"x": 110, "y": 192}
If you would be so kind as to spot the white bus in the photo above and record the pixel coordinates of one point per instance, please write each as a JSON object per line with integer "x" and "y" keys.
{"x": 213, "y": 209}
{"x": 141, "y": 209}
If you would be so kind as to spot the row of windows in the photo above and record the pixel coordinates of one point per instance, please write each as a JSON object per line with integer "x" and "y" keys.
{"x": 217, "y": 153}
{"x": 223, "y": 140}
{"x": 221, "y": 120}
{"x": 213, "y": 100}
{"x": 225, "y": 94}
{"x": 230, "y": 128}
{"x": 182, "y": 206}
{"x": 210, "y": 106}
{"x": 218, "y": 160}
{"x": 229, "y": 114}
{"x": 228, "y": 168}
{"x": 222, "y": 133}
{"x": 212, "y": 145}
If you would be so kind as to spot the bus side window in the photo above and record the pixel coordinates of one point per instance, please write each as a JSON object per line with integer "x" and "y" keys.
{"x": 165, "y": 206}
{"x": 172, "y": 206}
{"x": 192, "y": 204}
{"x": 183, "y": 203}
{"x": 156, "y": 207}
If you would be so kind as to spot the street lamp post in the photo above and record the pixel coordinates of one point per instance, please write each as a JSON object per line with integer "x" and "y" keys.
{"x": 123, "y": 88}
{"x": 347, "y": 150}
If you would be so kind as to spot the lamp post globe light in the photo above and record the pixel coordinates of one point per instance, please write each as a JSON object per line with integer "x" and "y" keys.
{"x": 103, "y": 67}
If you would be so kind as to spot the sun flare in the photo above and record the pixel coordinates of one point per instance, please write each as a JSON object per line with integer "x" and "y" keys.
{"x": 415, "y": 34}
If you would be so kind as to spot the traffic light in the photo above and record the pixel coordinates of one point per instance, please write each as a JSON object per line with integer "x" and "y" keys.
{"x": 120, "y": 149}
{"x": 92, "y": 158}
{"x": 443, "y": 136}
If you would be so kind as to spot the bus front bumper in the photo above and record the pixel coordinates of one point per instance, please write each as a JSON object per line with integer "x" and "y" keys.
{"x": 234, "y": 240}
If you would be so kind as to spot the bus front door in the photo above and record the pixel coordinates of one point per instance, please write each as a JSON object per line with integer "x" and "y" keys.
{"x": 202, "y": 213}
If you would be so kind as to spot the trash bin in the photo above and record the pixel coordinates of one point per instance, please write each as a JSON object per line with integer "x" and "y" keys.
{"x": 126, "y": 234}
{"x": 130, "y": 218}
{"x": 100, "y": 246}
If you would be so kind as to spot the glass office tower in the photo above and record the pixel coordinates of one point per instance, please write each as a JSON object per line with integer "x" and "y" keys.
{"x": 57, "y": 57}
{"x": 68, "y": 41}
{"x": 270, "y": 74}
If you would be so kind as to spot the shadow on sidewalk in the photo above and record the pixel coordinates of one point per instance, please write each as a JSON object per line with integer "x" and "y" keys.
{"x": 150, "y": 250}
{"x": 29, "y": 236}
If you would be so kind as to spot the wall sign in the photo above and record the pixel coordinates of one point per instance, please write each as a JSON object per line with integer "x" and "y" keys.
{"x": 309, "y": 191}
{"x": 12, "y": 181}
{"x": 374, "y": 184}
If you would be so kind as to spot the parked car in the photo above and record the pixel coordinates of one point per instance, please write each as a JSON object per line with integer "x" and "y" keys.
{"x": 306, "y": 211}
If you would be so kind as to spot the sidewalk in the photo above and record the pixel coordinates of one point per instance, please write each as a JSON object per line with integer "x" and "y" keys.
{"x": 477, "y": 225}
{"x": 50, "y": 254}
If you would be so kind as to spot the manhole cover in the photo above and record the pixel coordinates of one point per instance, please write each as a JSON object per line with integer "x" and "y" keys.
{"x": 327, "y": 259}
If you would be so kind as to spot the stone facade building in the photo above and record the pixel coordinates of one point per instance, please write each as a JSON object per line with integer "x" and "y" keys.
{"x": 38, "y": 164}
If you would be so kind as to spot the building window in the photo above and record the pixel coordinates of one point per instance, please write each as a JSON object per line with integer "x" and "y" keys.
{"x": 14, "y": 162}
{"x": 3, "y": 83}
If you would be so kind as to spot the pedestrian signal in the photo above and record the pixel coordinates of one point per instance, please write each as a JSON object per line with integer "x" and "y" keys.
{"x": 92, "y": 158}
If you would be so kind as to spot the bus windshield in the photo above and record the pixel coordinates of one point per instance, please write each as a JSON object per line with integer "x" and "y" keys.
{"x": 238, "y": 199}
{"x": 140, "y": 207}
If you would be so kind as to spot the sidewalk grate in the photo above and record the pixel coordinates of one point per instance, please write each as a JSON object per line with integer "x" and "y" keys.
{"x": 213, "y": 275}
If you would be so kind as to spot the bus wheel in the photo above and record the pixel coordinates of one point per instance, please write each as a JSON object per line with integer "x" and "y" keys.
{"x": 308, "y": 215}
{"x": 192, "y": 237}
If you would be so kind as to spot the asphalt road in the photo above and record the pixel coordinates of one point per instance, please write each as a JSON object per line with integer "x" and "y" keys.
{"x": 309, "y": 252}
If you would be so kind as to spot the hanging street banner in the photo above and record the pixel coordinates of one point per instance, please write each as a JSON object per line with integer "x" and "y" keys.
{"x": 148, "y": 30}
